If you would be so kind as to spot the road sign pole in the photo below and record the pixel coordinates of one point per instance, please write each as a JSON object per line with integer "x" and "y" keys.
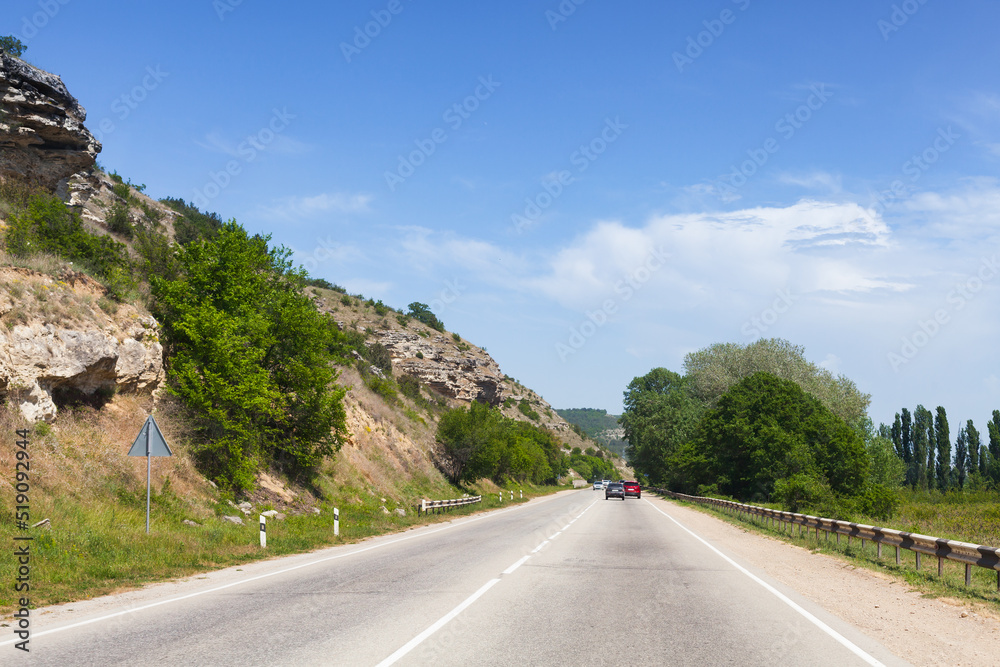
{"x": 149, "y": 468}
{"x": 154, "y": 445}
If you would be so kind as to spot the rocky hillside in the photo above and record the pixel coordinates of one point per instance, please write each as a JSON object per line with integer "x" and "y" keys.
{"x": 64, "y": 342}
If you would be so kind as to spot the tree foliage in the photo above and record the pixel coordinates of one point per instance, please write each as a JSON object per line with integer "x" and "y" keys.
{"x": 766, "y": 428}
{"x": 422, "y": 312}
{"x": 660, "y": 416}
{"x": 713, "y": 370}
{"x": 480, "y": 443}
{"x": 13, "y": 46}
{"x": 251, "y": 356}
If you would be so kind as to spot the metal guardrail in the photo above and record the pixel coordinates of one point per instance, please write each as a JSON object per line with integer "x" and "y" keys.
{"x": 962, "y": 552}
{"x": 426, "y": 506}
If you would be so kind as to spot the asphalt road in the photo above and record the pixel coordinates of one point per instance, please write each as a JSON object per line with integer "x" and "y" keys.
{"x": 570, "y": 579}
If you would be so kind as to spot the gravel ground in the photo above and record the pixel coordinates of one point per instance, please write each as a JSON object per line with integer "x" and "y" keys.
{"x": 924, "y": 631}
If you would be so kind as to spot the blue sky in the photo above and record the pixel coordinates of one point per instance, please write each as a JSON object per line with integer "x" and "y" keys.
{"x": 590, "y": 189}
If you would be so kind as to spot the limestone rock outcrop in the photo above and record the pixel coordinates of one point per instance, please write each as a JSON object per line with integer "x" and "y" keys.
{"x": 59, "y": 344}
{"x": 42, "y": 137}
{"x": 442, "y": 366}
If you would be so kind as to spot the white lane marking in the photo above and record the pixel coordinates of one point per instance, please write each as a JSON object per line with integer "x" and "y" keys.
{"x": 264, "y": 576}
{"x": 416, "y": 641}
{"x": 516, "y": 565}
{"x": 853, "y": 648}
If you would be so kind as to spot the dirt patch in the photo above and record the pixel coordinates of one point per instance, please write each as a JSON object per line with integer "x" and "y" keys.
{"x": 924, "y": 631}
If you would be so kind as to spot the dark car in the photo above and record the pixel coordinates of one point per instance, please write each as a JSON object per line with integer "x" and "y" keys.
{"x": 632, "y": 489}
{"x": 614, "y": 490}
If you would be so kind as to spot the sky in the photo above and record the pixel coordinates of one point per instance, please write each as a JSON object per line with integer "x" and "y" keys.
{"x": 589, "y": 189}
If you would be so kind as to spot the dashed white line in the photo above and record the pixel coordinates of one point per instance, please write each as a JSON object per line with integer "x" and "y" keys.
{"x": 516, "y": 565}
{"x": 441, "y": 622}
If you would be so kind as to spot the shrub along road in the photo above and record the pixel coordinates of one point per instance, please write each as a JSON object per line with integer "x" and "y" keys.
{"x": 566, "y": 579}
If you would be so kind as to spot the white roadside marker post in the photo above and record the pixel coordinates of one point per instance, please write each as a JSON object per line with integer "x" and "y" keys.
{"x": 263, "y": 531}
{"x": 336, "y": 521}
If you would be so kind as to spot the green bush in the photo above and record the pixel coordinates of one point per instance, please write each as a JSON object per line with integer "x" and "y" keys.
{"x": 384, "y": 387}
{"x": 122, "y": 191}
{"x": 409, "y": 386}
{"x": 192, "y": 224}
{"x": 46, "y": 224}
{"x": 379, "y": 356}
{"x": 525, "y": 408}
{"x": 118, "y": 220}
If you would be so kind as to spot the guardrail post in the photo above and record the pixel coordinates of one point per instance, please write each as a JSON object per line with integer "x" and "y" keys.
{"x": 968, "y": 574}
{"x": 918, "y": 560}
{"x": 941, "y": 566}
{"x": 897, "y": 555}
{"x": 878, "y": 549}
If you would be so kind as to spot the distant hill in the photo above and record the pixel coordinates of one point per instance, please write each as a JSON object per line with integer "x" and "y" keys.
{"x": 599, "y": 425}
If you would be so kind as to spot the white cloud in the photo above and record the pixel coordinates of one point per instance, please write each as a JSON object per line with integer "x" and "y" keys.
{"x": 295, "y": 208}
{"x": 817, "y": 180}
{"x": 817, "y": 245}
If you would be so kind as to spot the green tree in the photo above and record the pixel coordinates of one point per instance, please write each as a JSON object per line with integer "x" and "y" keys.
{"x": 660, "y": 415}
{"x": 766, "y": 428}
{"x": 942, "y": 438}
{"x": 713, "y": 370}
{"x": 993, "y": 426}
{"x": 972, "y": 436}
{"x": 962, "y": 456}
{"x": 250, "y": 355}
{"x": 897, "y": 438}
{"x": 922, "y": 421}
{"x": 422, "y": 312}
{"x": 12, "y": 46}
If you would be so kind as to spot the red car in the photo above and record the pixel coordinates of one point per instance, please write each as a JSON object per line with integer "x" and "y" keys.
{"x": 633, "y": 489}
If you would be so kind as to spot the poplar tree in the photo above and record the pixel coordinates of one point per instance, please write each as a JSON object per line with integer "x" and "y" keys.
{"x": 972, "y": 436}
{"x": 943, "y": 440}
{"x": 961, "y": 456}
{"x": 919, "y": 436}
{"x": 897, "y": 440}
{"x": 906, "y": 442}
{"x": 994, "y": 459}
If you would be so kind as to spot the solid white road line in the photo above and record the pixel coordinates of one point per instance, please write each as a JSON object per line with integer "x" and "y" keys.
{"x": 265, "y": 576}
{"x": 853, "y": 648}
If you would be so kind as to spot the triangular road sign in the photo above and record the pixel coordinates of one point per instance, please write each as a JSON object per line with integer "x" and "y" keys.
{"x": 150, "y": 433}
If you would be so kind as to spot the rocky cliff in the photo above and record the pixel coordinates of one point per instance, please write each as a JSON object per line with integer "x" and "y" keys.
{"x": 42, "y": 137}
{"x": 63, "y": 342}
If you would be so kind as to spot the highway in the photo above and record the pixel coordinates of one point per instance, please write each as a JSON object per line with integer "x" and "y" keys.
{"x": 568, "y": 579}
